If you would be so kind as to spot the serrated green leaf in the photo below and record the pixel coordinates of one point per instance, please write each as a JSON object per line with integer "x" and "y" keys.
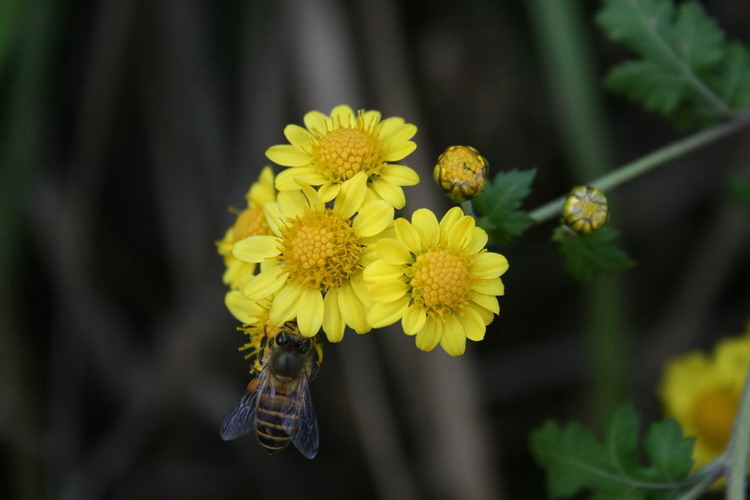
{"x": 500, "y": 204}
{"x": 576, "y": 461}
{"x": 593, "y": 254}
{"x": 733, "y": 81}
{"x": 670, "y": 451}
{"x": 685, "y": 70}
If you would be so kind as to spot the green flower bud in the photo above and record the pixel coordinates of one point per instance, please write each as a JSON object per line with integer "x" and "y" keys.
{"x": 585, "y": 209}
{"x": 460, "y": 172}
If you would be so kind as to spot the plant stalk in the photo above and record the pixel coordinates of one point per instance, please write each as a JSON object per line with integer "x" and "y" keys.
{"x": 649, "y": 162}
{"x": 739, "y": 445}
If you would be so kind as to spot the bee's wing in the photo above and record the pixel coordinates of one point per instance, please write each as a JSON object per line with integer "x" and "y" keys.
{"x": 241, "y": 419}
{"x": 300, "y": 422}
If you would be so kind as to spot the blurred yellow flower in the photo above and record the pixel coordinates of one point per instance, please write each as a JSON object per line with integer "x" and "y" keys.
{"x": 438, "y": 279}
{"x": 331, "y": 151}
{"x": 703, "y": 393}
{"x": 313, "y": 261}
{"x": 250, "y": 221}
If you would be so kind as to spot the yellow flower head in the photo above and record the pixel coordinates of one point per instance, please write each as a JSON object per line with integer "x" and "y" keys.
{"x": 250, "y": 221}
{"x": 703, "y": 393}
{"x": 438, "y": 279}
{"x": 332, "y": 150}
{"x": 585, "y": 209}
{"x": 461, "y": 173}
{"x": 256, "y": 324}
{"x": 313, "y": 262}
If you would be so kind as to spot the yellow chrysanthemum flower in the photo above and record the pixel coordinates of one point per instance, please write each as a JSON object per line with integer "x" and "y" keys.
{"x": 254, "y": 316}
{"x": 703, "y": 393}
{"x": 313, "y": 262}
{"x": 250, "y": 221}
{"x": 438, "y": 279}
{"x": 331, "y": 151}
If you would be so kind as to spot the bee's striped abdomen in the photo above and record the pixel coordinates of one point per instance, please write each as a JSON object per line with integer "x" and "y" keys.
{"x": 269, "y": 421}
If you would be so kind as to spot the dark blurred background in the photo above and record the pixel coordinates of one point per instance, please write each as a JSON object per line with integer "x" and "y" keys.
{"x": 127, "y": 130}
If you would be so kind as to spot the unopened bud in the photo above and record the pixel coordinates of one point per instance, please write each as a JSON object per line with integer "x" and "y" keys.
{"x": 585, "y": 209}
{"x": 461, "y": 172}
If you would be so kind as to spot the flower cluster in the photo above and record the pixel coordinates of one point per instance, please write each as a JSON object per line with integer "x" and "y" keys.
{"x": 703, "y": 393}
{"x": 320, "y": 244}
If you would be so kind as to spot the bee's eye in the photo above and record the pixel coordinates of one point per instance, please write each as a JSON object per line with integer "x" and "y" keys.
{"x": 281, "y": 338}
{"x": 304, "y": 346}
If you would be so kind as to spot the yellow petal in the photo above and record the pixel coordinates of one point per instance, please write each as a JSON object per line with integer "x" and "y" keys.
{"x": 313, "y": 201}
{"x": 273, "y": 217}
{"x": 315, "y": 121}
{"x": 487, "y": 316}
{"x": 492, "y": 286}
{"x": 333, "y": 322}
{"x": 284, "y": 305}
{"x": 489, "y": 302}
{"x": 414, "y": 320}
{"x": 453, "y": 340}
{"x": 292, "y": 204}
{"x": 489, "y": 265}
{"x": 287, "y": 155}
{"x": 266, "y": 283}
{"x": 343, "y": 115}
{"x": 387, "y": 291}
{"x": 392, "y": 251}
{"x": 399, "y": 150}
{"x": 390, "y": 126}
{"x": 359, "y": 288}
{"x": 426, "y": 224}
{"x": 429, "y": 336}
{"x": 329, "y": 191}
{"x": 461, "y": 232}
{"x": 408, "y": 235}
{"x": 298, "y": 137}
{"x": 389, "y": 192}
{"x": 450, "y": 218}
{"x": 406, "y": 132}
{"x": 386, "y": 314}
{"x": 371, "y": 117}
{"x": 351, "y": 196}
{"x": 289, "y": 179}
{"x": 245, "y": 311}
{"x": 380, "y": 270}
{"x": 310, "y": 312}
{"x": 473, "y": 324}
{"x": 373, "y": 218}
{"x": 399, "y": 175}
{"x": 353, "y": 310}
{"x": 478, "y": 241}
{"x": 257, "y": 248}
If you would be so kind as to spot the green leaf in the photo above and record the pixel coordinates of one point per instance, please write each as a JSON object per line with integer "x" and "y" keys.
{"x": 671, "y": 453}
{"x": 685, "y": 69}
{"x": 576, "y": 461}
{"x": 591, "y": 255}
{"x": 500, "y": 202}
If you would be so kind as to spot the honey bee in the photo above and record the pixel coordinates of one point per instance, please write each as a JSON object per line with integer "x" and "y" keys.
{"x": 277, "y": 403}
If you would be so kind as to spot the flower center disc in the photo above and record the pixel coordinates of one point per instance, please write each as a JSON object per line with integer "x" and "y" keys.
{"x": 714, "y": 416}
{"x": 320, "y": 250}
{"x": 250, "y": 222}
{"x": 441, "y": 282}
{"x": 342, "y": 153}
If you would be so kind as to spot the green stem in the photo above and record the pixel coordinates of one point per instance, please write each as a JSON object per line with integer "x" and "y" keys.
{"x": 704, "y": 478}
{"x": 468, "y": 208}
{"x": 648, "y": 162}
{"x": 739, "y": 446}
